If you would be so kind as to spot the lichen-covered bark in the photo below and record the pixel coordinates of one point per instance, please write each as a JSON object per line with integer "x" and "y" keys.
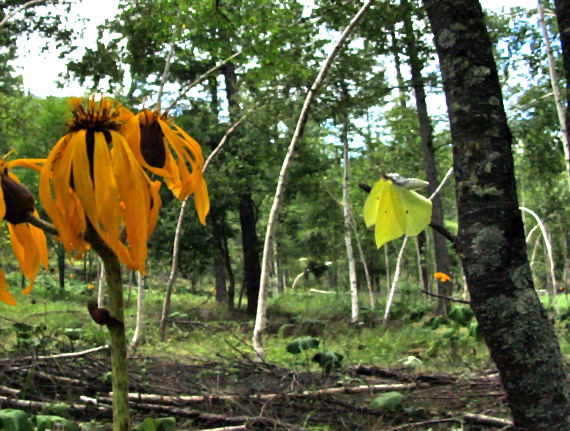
{"x": 491, "y": 239}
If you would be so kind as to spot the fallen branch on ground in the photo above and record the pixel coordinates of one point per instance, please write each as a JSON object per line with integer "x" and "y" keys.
{"x": 426, "y": 423}
{"x": 164, "y": 399}
{"x": 58, "y": 356}
{"x": 231, "y": 428}
{"x": 216, "y": 418}
{"x": 485, "y": 420}
{"x": 40, "y": 405}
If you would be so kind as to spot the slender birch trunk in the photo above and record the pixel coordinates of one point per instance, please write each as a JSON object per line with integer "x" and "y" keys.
{"x": 137, "y": 336}
{"x": 354, "y": 309}
{"x": 395, "y": 281}
{"x": 547, "y": 243}
{"x": 387, "y": 262}
{"x": 364, "y": 264}
{"x": 173, "y": 272}
{"x": 560, "y": 108}
{"x": 260, "y": 319}
{"x": 101, "y": 286}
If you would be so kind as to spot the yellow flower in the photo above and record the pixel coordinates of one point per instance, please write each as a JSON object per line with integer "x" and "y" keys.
{"x": 153, "y": 139}
{"x": 91, "y": 177}
{"x": 90, "y": 286}
{"x": 28, "y": 242}
{"x": 441, "y": 276}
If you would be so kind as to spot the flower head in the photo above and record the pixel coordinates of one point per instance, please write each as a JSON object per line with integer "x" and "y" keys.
{"x": 153, "y": 139}
{"x": 92, "y": 179}
{"x": 28, "y": 242}
{"x": 442, "y": 277}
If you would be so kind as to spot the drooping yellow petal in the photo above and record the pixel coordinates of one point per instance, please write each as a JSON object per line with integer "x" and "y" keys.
{"x": 5, "y": 295}
{"x": 26, "y": 163}
{"x": 26, "y": 252}
{"x": 58, "y": 199}
{"x": 2, "y": 203}
{"x": 176, "y": 156}
{"x": 202, "y": 201}
{"x": 134, "y": 189}
{"x": 41, "y": 244}
{"x": 106, "y": 192}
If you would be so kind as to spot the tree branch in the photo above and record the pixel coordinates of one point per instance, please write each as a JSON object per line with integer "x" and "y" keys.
{"x": 19, "y": 9}
{"x": 187, "y": 87}
{"x": 449, "y": 298}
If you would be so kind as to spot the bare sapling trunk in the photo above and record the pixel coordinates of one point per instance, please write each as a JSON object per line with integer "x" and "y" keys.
{"x": 547, "y": 244}
{"x": 137, "y": 336}
{"x": 178, "y": 235}
{"x": 395, "y": 281}
{"x": 354, "y": 309}
{"x": 260, "y": 319}
{"x": 101, "y": 285}
{"x": 364, "y": 264}
{"x": 560, "y": 108}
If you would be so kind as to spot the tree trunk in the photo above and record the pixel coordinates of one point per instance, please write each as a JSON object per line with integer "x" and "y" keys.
{"x": 562, "y": 115}
{"x": 426, "y": 136}
{"x": 246, "y": 207}
{"x": 346, "y": 212}
{"x": 251, "y": 265}
{"x": 173, "y": 272}
{"x": 490, "y": 241}
{"x": 398, "y": 67}
{"x": 61, "y": 266}
{"x": 101, "y": 281}
{"x": 137, "y": 336}
{"x": 220, "y": 277}
{"x": 277, "y": 267}
{"x": 221, "y": 241}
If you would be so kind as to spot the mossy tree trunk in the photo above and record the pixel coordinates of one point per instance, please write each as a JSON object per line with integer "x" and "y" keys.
{"x": 491, "y": 241}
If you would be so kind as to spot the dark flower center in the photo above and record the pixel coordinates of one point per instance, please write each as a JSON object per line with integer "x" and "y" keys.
{"x": 152, "y": 144}
{"x": 18, "y": 199}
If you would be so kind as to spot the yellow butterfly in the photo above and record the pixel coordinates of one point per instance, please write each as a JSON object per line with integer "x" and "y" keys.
{"x": 396, "y": 209}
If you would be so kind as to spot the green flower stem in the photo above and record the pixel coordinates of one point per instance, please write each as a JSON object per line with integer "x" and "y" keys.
{"x": 119, "y": 374}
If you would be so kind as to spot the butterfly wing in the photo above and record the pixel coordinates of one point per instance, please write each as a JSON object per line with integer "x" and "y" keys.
{"x": 417, "y": 210}
{"x": 391, "y": 220}
{"x": 371, "y": 204}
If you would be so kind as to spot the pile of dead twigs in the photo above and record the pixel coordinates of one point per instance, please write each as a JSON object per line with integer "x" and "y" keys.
{"x": 252, "y": 395}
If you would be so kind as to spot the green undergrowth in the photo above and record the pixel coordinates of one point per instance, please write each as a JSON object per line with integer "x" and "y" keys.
{"x": 52, "y": 320}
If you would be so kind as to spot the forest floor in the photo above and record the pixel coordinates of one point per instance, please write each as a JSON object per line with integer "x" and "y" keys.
{"x": 254, "y": 395}
{"x": 419, "y": 372}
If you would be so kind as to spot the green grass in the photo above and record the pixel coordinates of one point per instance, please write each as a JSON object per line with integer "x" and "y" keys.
{"x": 205, "y": 331}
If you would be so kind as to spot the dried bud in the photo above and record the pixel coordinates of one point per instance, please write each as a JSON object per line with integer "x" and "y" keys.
{"x": 152, "y": 144}
{"x": 19, "y": 201}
